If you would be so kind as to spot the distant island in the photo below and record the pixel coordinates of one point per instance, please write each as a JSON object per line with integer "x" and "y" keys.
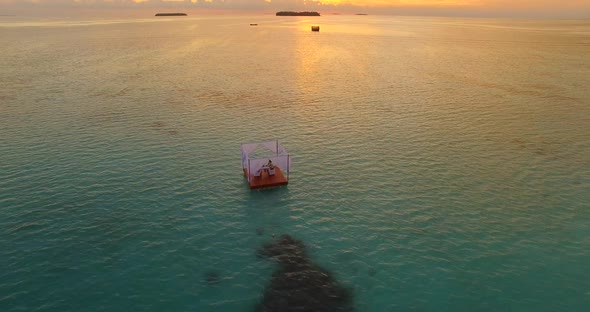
{"x": 291, "y": 13}
{"x": 361, "y": 14}
{"x": 170, "y": 14}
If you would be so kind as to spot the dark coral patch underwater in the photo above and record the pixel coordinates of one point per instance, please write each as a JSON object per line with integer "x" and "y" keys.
{"x": 212, "y": 278}
{"x": 299, "y": 284}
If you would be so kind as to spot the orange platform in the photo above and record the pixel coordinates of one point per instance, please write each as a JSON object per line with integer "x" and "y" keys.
{"x": 265, "y": 180}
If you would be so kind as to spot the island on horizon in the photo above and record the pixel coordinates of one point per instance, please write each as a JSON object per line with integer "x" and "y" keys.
{"x": 171, "y": 14}
{"x": 291, "y": 13}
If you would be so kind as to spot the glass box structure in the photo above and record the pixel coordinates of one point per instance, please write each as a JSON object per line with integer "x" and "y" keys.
{"x": 265, "y": 164}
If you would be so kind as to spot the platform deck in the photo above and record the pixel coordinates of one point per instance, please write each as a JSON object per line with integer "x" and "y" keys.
{"x": 265, "y": 180}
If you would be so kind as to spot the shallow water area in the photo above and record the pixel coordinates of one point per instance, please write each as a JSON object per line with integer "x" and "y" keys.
{"x": 438, "y": 164}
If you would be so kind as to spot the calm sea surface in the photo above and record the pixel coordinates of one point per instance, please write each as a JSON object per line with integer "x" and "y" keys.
{"x": 438, "y": 164}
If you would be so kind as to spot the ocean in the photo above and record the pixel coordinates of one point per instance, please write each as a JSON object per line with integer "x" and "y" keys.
{"x": 438, "y": 164}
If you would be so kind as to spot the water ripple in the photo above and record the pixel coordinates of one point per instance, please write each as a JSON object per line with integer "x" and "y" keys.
{"x": 435, "y": 168}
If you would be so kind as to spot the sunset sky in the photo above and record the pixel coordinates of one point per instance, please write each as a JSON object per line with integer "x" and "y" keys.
{"x": 492, "y": 8}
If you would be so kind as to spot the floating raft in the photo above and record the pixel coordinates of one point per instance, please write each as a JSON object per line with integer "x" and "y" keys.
{"x": 265, "y": 180}
{"x": 265, "y": 164}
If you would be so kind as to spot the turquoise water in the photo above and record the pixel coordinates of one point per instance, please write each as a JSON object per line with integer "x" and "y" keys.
{"x": 439, "y": 164}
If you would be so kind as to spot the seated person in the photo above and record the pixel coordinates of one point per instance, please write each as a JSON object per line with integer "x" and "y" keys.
{"x": 270, "y": 164}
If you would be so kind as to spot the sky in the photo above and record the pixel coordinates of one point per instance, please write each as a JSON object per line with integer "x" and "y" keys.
{"x": 486, "y": 8}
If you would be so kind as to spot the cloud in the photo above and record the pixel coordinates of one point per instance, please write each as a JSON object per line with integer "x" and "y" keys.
{"x": 229, "y": 4}
{"x": 542, "y": 8}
